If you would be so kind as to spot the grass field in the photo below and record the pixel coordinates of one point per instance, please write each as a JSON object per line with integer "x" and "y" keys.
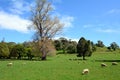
{"x": 61, "y": 68}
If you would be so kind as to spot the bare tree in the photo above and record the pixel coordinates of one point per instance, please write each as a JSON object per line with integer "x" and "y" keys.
{"x": 45, "y": 25}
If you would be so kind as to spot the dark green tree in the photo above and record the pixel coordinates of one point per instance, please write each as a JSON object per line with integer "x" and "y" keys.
{"x": 114, "y": 46}
{"x": 100, "y": 44}
{"x": 84, "y": 48}
{"x": 18, "y": 51}
{"x": 88, "y": 48}
{"x": 10, "y": 46}
{"x": 57, "y": 44}
{"x": 4, "y": 50}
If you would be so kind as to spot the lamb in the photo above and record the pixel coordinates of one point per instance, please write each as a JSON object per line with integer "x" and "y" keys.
{"x": 10, "y": 64}
{"x": 85, "y": 71}
{"x": 114, "y": 63}
{"x": 103, "y": 65}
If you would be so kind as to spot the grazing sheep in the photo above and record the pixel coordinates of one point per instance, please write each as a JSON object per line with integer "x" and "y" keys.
{"x": 10, "y": 64}
{"x": 85, "y": 71}
{"x": 103, "y": 65}
{"x": 114, "y": 63}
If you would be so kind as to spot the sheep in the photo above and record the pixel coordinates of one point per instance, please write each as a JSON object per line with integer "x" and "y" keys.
{"x": 10, "y": 64}
{"x": 114, "y": 63}
{"x": 85, "y": 71}
{"x": 103, "y": 65}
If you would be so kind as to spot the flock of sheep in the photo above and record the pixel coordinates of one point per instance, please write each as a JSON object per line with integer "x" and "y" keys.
{"x": 86, "y": 71}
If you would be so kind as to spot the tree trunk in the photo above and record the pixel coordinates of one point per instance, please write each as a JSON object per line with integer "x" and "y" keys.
{"x": 83, "y": 56}
{"x": 44, "y": 55}
{"x": 43, "y": 58}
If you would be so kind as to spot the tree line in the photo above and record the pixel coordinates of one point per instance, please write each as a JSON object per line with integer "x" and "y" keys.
{"x": 29, "y": 50}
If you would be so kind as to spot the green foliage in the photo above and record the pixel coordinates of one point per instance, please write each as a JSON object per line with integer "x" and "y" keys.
{"x": 84, "y": 48}
{"x": 114, "y": 46}
{"x": 18, "y": 51}
{"x": 29, "y": 54}
{"x": 72, "y": 47}
{"x": 58, "y": 44}
{"x": 100, "y": 44}
{"x": 64, "y": 43}
{"x": 67, "y": 46}
{"x": 88, "y": 48}
{"x": 4, "y": 50}
{"x": 11, "y": 45}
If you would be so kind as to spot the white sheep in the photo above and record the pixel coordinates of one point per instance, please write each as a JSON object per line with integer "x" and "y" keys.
{"x": 10, "y": 64}
{"x": 103, "y": 65}
{"x": 85, "y": 71}
{"x": 114, "y": 63}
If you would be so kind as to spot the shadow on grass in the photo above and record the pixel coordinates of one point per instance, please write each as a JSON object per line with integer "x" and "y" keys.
{"x": 75, "y": 59}
{"x": 35, "y": 59}
{"x": 107, "y": 60}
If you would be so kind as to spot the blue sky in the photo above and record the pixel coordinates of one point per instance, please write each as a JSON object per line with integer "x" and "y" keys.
{"x": 93, "y": 19}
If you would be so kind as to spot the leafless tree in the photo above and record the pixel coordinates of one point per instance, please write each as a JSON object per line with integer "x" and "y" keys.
{"x": 46, "y": 25}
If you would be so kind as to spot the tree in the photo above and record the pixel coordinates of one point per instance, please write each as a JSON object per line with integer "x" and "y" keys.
{"x": 28, "y": 46}
{"x": 29, "y": 54}
{"x": 10, "y": 46}
{"x": 84, "y": 48}
{"x": 100, "y": 43}
{"x": 114, "y": 46}
{"x": 4, "y": 50}
{"x": 57, "y": 44}
{"x": 45, "y": 25}
{"x": 88, "y": 48}
{"x": 18, "y": 51}
{"x": 64, "y": 44}
{"x": 71, "y": 48}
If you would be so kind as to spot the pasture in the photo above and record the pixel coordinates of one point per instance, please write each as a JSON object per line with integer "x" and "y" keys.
{"x": 62, "y": 67}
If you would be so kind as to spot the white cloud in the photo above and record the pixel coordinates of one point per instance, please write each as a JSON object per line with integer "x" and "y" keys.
{"x": 107, "y": 30}
{"x": 19, "y": 6}
{"x": 93, "y": 25}
{"x": 13, "y": 22}
{"x": 103, "y": 28}
{"x": 67, "y": 21}
{"x": 72, "y": 39}
{"x": 114, "y": 11}
{"x": 75, "y": 39}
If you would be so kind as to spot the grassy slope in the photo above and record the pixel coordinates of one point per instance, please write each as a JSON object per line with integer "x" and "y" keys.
{"x": 61, "y": 68}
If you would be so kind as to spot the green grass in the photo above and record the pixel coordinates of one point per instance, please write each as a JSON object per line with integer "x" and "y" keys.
{"x": 61, "y": 68}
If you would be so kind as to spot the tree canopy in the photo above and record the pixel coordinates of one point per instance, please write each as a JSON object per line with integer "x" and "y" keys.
{"x": 4, "y": 50}
{"x": 84, "y": 48}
